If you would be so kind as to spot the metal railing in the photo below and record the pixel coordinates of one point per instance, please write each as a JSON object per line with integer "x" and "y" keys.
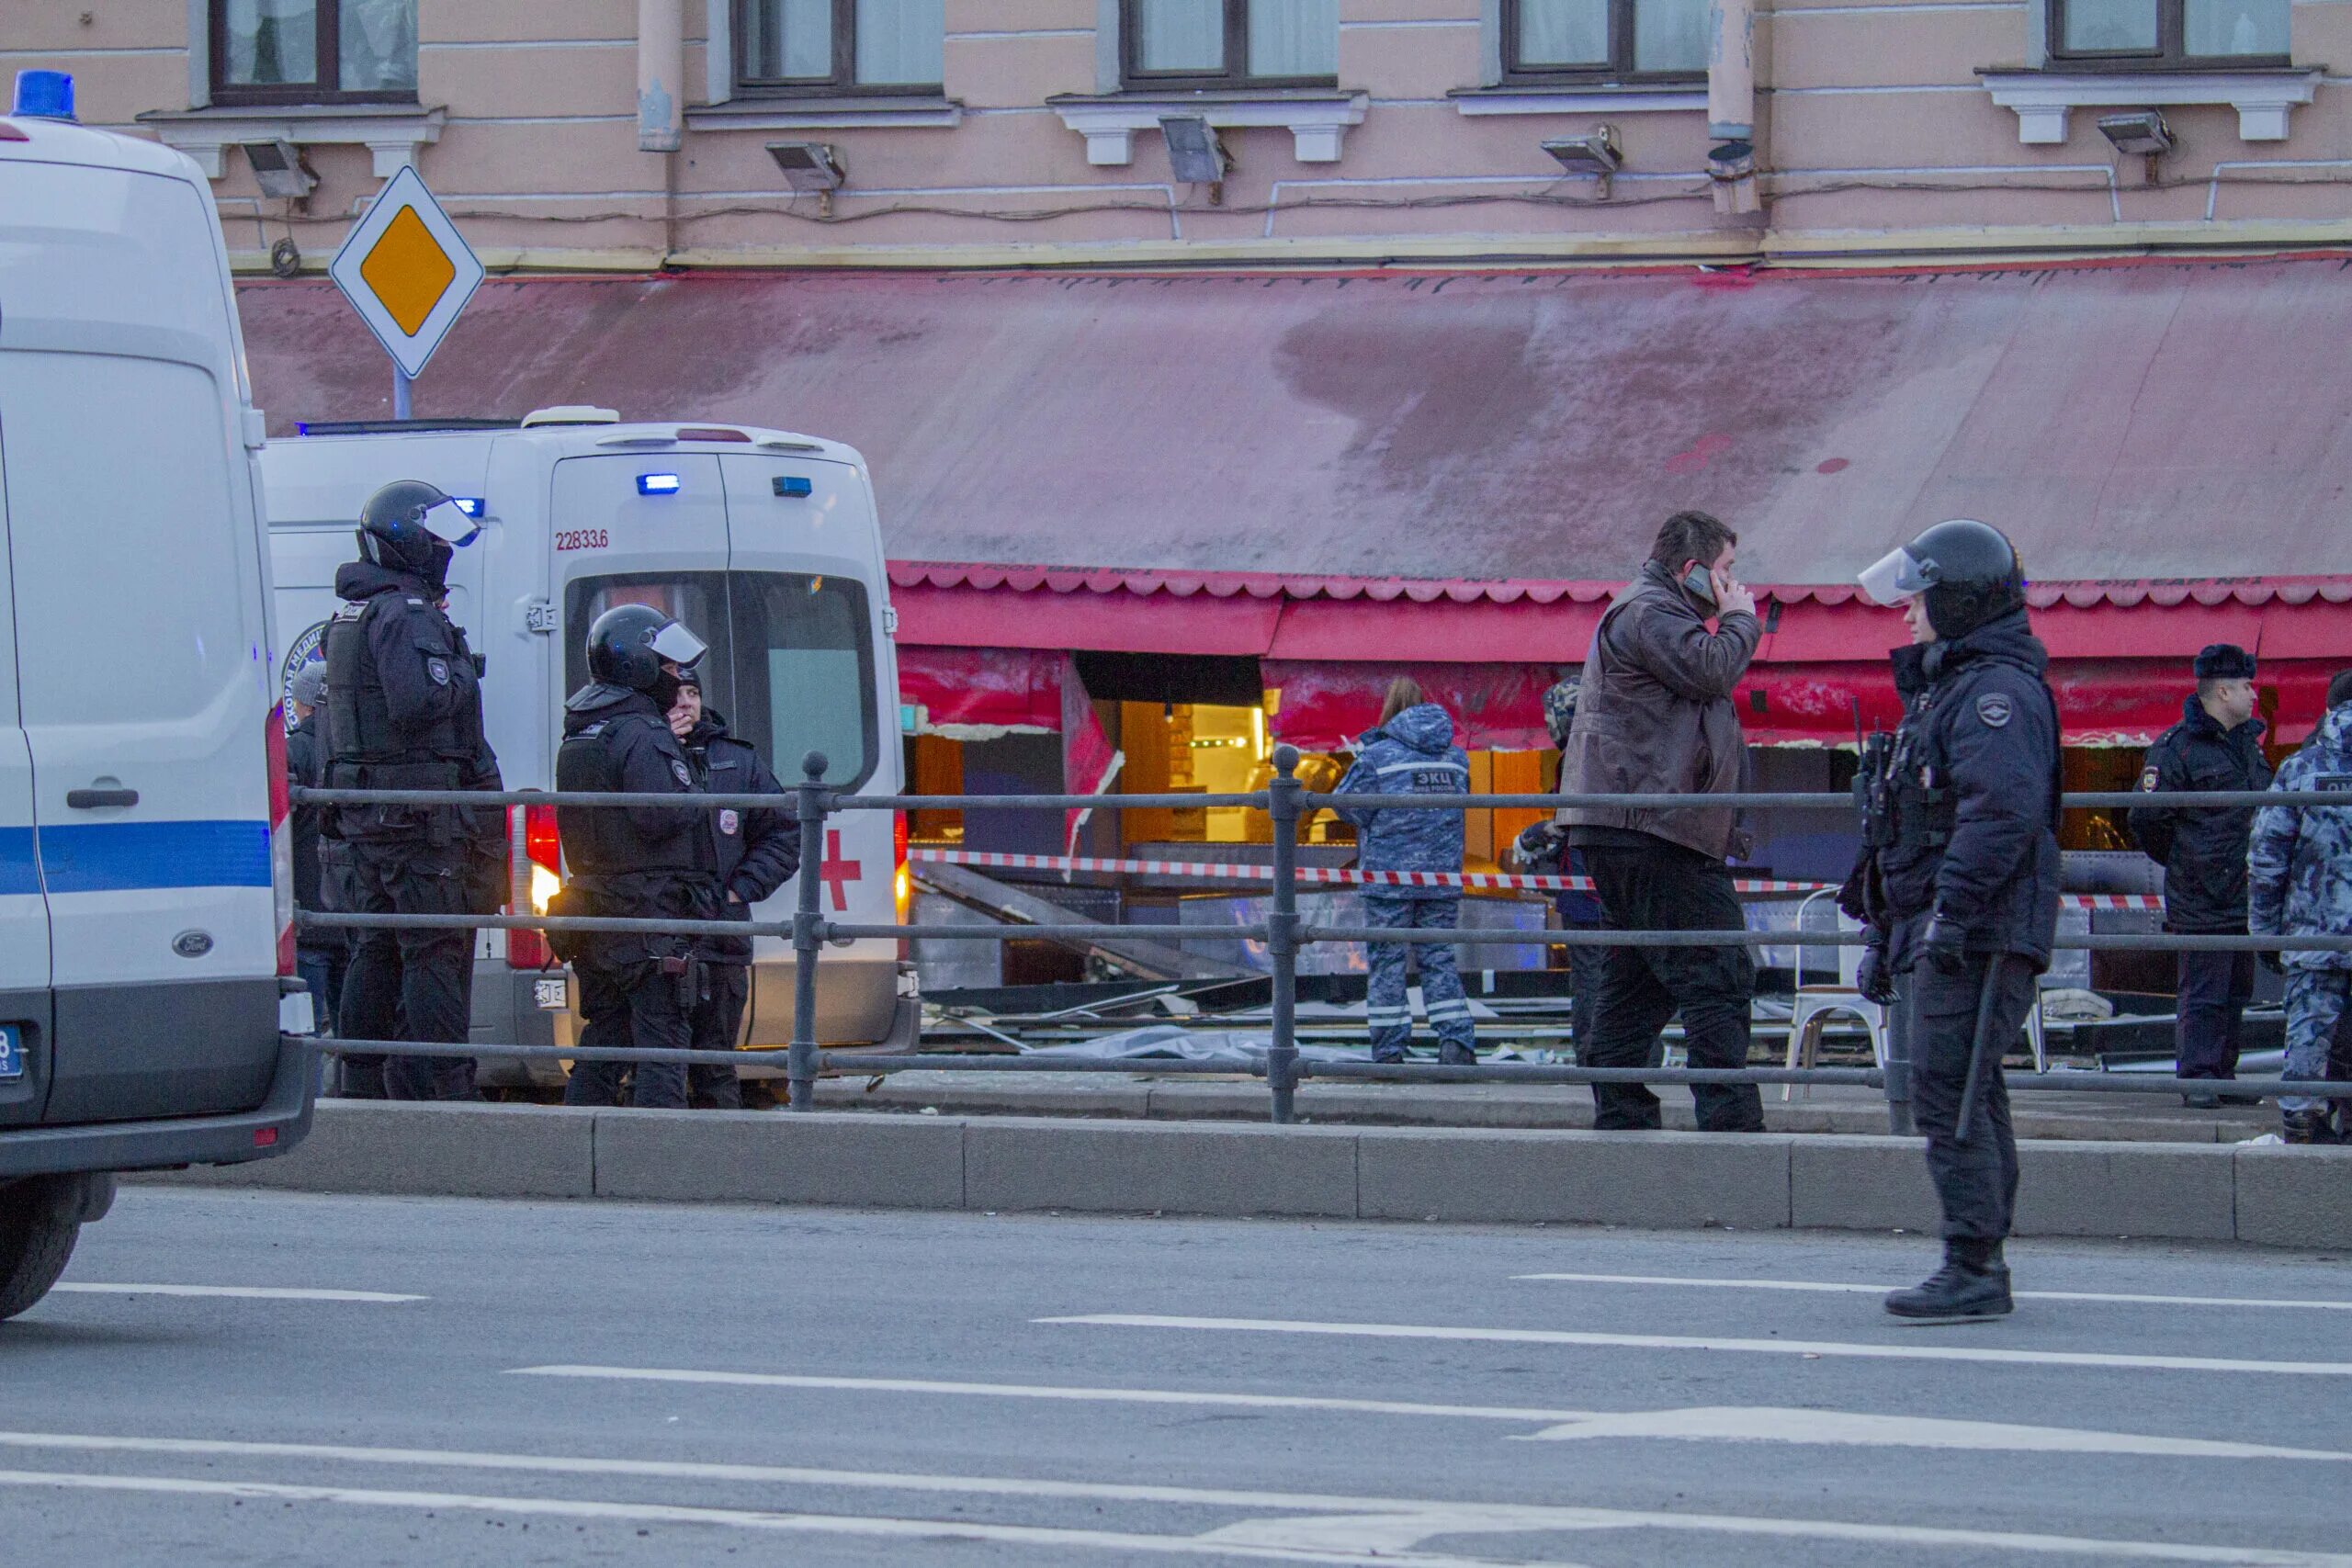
{"x": 1286, "y": 802}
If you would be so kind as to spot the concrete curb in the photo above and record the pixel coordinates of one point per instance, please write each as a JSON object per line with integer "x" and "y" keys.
{"x": 2272, "y": 1196}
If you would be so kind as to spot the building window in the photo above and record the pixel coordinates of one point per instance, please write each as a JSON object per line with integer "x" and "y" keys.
{"x": 313, "y": 52}
{"x": 1614, "y": 41}
{"x": 2155, "y": 35}
{"x": 839, "y": 46}
{"x": 1230, "y": 43}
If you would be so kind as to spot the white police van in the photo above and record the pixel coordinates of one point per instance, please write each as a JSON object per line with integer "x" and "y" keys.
{"x": 145, "y": 901}
{"x": 764, "y": 542}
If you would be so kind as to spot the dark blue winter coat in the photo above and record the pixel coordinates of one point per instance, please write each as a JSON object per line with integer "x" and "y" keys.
{"x": 1413, "y": 753}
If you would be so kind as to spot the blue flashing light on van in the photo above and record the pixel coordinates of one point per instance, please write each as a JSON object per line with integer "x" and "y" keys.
{"x": 472, "y": 505}
{"x": 798, "y": 487}
{"x": 658, "y": 484}
{"x": 44, "y": 95}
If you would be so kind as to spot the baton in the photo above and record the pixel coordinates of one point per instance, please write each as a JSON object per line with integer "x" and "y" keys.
{"x": 1973, "y": 1089}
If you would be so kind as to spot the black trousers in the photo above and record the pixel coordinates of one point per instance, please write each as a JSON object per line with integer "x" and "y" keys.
{"x": 1665, "y": 887}
{"x": 2213, "y": 992}
{"x": 1975, "y": 1181}
{"x": 630, "y": 1004}
{"x": 718, "y": 1024}
{"x": 408, "y": 985}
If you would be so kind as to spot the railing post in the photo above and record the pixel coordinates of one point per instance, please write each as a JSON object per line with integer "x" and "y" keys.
{"x": 807, "y": 935}
{"x": 1281, "y": 932}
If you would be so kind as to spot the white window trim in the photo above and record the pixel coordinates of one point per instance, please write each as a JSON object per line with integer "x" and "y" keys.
{"x": 1599, "y": 98}
{"x": 1318, "y": 120}
{"x": 2044, "y": 100}
{"x": 916, "y": 111}
{"x": 393, "y": 133}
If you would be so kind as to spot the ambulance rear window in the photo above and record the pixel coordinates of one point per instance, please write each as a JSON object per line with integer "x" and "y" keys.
{"x": 791, "y": 660}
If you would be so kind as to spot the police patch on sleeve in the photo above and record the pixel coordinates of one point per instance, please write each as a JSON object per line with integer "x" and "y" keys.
{"x": 439, "y": 670}
{"x": 680, "y": 769}
{"x": 2147, "y": 778}
{"x": 1993, "y": 708}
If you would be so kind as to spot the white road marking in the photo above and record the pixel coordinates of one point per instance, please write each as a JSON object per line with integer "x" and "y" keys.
{"x": 2128, "y": 1298}
{"x": 1394, "y": 1518}
{"x": 1903, "y": 1352}
{"x": 244, "y": 1292}
{"x": 1747, "y": 1423}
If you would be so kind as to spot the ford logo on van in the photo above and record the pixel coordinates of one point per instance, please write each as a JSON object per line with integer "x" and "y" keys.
{"x": 192, "y": 945}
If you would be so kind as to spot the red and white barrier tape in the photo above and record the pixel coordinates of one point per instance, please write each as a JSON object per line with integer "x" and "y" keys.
{"x": 1339, "y": 876}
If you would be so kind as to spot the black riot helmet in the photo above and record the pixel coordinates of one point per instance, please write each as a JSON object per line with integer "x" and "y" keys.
{"x": 1968, "y": 570}
{"x": 627, "y": 645}
{"x": 411, "y": 526}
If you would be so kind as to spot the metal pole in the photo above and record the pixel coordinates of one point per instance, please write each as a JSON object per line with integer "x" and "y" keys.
{"x": 1281, "y": 932}
{"x": 401, "y": 384}
{"x": 807, "y": 935}
{"x": 1972, "y": 1089}
{"x": 1898, "y": 1066}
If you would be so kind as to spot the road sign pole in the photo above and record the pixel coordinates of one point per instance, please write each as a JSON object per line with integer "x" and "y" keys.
{"x": 401, "y": 384}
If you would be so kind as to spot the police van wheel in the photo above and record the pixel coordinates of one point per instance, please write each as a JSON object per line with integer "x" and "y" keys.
{"x": 34, "y": 1246}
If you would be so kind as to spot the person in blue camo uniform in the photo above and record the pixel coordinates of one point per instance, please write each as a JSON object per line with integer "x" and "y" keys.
{"x": 2298, "y": 882}
{"x": 1411, "y": 752}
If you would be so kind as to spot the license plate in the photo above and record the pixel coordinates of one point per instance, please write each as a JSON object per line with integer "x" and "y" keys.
{"x": 12, "y": 1053}
{"x": 552, "y": 996}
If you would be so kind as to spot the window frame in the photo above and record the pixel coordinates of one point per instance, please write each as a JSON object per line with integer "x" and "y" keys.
{"x": 1622, "y": 20}
{"x": 1235, "y": 77}
{"x": 2172, "y": 27}
{"x": 842, "y": 83}
{"x": 327, "y": 20}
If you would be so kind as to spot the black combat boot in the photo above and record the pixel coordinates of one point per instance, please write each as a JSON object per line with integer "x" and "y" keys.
{"x": 2307, "y": 1127}
{"x": 1973, "y": 1283}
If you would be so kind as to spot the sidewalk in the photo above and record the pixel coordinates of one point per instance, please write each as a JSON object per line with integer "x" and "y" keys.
{"x": 2083, "y": 1117}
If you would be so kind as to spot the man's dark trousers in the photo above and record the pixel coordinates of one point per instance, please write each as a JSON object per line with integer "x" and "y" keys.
{"x": 624, "y": 1005}
{"x": 2214, "y": 990}
{"x": 718, "y": 1022}
{"x": 1977, "y": 1181}
{"x": 1664, "y": 886}
{"x": 411, "y": 984}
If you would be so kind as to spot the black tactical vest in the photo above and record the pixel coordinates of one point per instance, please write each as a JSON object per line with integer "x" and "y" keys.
{"x": 603, "y": 844}
{"x": 367, "y": 754}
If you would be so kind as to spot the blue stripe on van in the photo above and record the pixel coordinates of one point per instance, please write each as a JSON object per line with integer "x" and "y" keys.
{"x": 19, "y": 873}
{"x": 114, "y": 857}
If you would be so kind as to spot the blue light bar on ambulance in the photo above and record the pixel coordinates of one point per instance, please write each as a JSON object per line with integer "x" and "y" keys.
{"x": 469, "y": 504}
{"x": 44, "y": 95}
{"x": 794, "y": 485}
{"x": 658, "y": 484}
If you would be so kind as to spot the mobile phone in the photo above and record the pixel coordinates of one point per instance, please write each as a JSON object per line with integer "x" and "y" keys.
{"x": 1700, "y": 583}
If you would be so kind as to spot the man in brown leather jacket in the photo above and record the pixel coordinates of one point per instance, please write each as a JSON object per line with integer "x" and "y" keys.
{"x": 1655, "y": 717}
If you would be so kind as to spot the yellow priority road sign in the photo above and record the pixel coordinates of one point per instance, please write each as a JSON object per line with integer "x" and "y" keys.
{"x": 407, "y": 271}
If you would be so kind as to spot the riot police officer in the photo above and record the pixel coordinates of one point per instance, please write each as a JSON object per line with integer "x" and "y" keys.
{"x": 1958, "y": 879}
{"x": 636, "y": 863}
{"x": 405, "y": 712}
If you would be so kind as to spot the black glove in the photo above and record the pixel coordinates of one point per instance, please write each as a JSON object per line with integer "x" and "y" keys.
{"x": 1944, "y": 945}
{"x": 1871, "y": 977}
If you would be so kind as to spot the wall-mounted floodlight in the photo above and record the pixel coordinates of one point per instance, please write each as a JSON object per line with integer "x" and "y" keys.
{"x": 814, "y": 166}
{"x": 279, "y": 171}
{"x": 1195, "y": 155}
{"x": 1596, "y": 156}
{"x": 2141, "y": 131}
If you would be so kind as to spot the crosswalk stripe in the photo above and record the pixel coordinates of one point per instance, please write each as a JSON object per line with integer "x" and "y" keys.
{"x": 239, "y": 1293}
{"x": 1887, "y": 1352}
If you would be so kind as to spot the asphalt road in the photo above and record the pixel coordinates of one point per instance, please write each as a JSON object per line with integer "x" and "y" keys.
{"x": 453, "y": 1382}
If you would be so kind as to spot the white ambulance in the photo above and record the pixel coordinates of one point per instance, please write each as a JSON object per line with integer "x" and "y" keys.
{"x": 764, "y": 542}
{"x": 147, "y": 1013}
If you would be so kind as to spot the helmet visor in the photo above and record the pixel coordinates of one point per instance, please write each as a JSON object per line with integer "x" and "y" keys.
{"x": 447, "y": 521}
{"x": 1896, "y": 576}
{"x": 679, "y": 645}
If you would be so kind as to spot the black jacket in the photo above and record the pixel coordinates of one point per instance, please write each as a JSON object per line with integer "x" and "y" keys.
{"x": 306, "y": 768}
{"x": 1980, "y": 730}
{"x": 2203, "y": 851}
{"x": 757, "y": 850}
{"x": 616, "y": 740}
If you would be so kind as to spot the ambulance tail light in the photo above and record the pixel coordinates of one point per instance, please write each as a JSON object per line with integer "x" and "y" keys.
{"x": 537, "y": 862}
{"x": 281, "y": 837}
{"x": 902, "y": 881}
